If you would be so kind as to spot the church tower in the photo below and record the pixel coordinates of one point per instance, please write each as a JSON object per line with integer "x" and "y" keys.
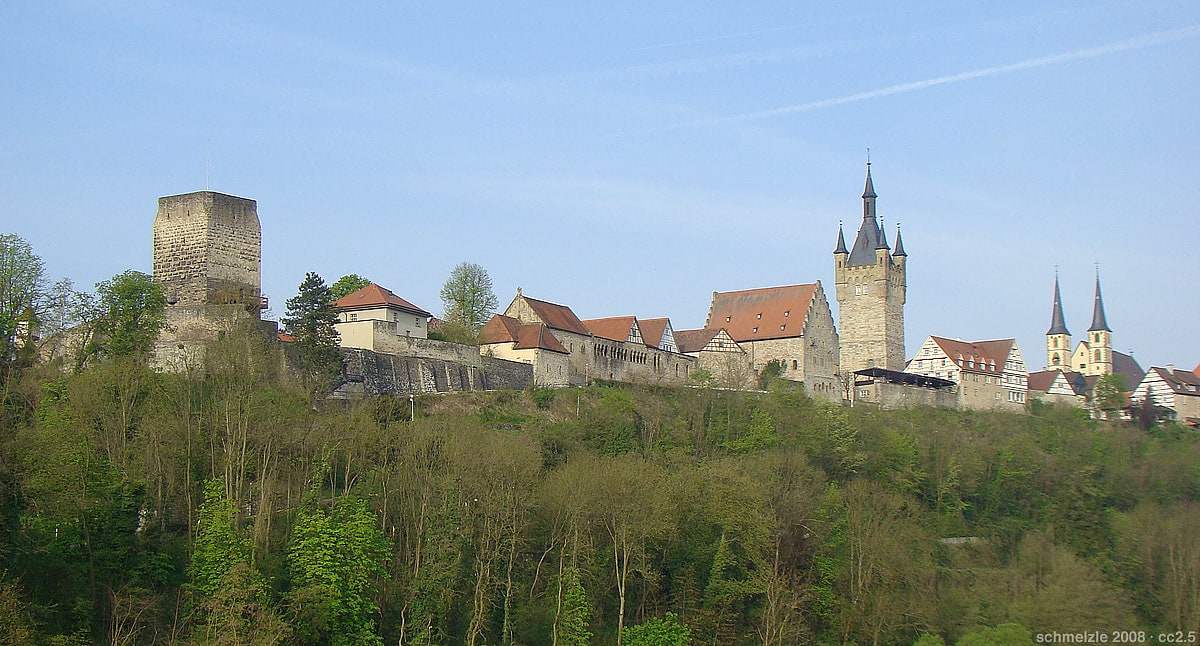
{"x": 1099, "y": 342}
{"x": 1058, "y": 337}
{"x": 871, "y": 287}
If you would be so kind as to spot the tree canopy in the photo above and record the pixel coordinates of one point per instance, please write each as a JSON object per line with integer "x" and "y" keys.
{"x": 467, "y": 297}
{"x": 22, "y": 282}
{"x": 311, "y": 318}
{"x": 131, "y": 307}
{"x": 347, "y": 284}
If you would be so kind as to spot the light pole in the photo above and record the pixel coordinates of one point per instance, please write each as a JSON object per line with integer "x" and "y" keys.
{"x": 412, "y": 408}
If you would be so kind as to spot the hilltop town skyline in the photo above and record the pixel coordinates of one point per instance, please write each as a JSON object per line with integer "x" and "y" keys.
{"x": 633, "y": 162}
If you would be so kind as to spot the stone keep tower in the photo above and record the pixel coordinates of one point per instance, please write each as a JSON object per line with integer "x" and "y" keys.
{"x": 208, "y": 249}
{"x": 871, "y": 290}
{"x": 207, "y": 258}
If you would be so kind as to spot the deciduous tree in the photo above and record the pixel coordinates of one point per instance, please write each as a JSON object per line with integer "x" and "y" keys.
{"x": 468, "y": 299}
{"x": 347, "y": 284}
{"x": 22, "y": 281}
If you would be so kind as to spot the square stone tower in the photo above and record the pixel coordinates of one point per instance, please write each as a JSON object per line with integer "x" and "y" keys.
{"x": 207, "y": 258}
{"x": 872, "y": 287}
{"x": 208, "y": 249}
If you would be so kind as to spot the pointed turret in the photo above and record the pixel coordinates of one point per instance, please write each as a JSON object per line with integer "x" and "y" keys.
{"x": 841, "y": 243}
{"x": 1058, "y": 324}
{"x": 869, "y": 234}
{"x": 882, "y": 244}
{"x": 1099, "y": 322}
{"x": 899, "y": 244}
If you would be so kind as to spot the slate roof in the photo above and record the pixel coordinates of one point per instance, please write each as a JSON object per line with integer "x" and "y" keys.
{"x": 899, "y": 244}
{"x": 761, "y": 314}
{"x": 1058, "y": 324}
{"x": 613, "y": 328}
{"x": 863, "y": 251}
{"x": 694, "y": 340}
{"x": 841, "y": 243}
{"x": 1180, "y": 381}
{"x": 653, "y": 330}
{"x": 1099, "y": 322}
{"x": 373, "y": 296}
{"x": 557, "y": 317}
{"x": 1125, "y": 365}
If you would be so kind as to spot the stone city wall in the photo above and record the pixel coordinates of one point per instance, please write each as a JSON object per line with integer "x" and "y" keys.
{"x": 372, "y": 373}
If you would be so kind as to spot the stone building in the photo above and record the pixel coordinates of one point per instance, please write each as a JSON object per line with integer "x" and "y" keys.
{"x": 611, "y": 349}
{"x": 989, "y": 374}
{"x": 505, "y": 337}
{"x": 871, "y": 290}
{"x": 891, "y": 389}
{"x": 791, "y": 325}
{"x": 207, "y": 256}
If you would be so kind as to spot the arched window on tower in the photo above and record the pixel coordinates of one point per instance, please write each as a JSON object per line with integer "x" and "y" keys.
{"x": 1099, "y": 355}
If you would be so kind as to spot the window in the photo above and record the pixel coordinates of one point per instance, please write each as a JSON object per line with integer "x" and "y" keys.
{"x": 864, "y": 393}
{"x": 755, "y": 331}
{"x": 795, "y": 365}
{"x": 759, "y": 315}
{"x": 418, "y": 323}
{"x": 727, "y": 319}
{"x": 858, "y": 290}
{"x": 354, "y": 317}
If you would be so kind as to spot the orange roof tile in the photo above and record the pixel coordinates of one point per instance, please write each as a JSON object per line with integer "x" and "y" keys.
{"x": 652, "y": 331}
{"x": 556, "y": 317}
{"x": 500, "y": 329}
{"x": 538, "y": 336}
{"x": 613, "y": 328}
{"x": 373, "y": 296}
{"x": 284, "y": 337}
{"x": 765, "y": 313}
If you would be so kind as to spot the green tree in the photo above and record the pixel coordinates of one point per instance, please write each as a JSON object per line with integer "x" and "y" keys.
{"x": 22, "y": 281}
{"x": 660, "y": 631}
{"x": 131, "y": 307}
{"x": 468, "y": 301}
{"x": 573, "y": 624}
{"x": 335, "y": 558}
{"x": 1110, "y": 392}
{"x": 217, "y": 547}
{"x": 1002, "y": 635}
{"x": 347, "y": 284}
{"x": 311, "y": 318}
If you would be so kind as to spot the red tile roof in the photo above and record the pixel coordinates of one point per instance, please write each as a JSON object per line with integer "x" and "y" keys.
{"x": 652, "y": 331}
{"x": 284, "y": 337}
{"x": 694, "y": 340}
{"x": 978, "y": 356}
{"x": 505, "y": 329}
{"x": 765, "y": 313}
{"x": 1180, "y": 381}
{"x": 500, "y": 329}
{"x": 538, "y": 336}
{"x": 1041, "y": 381}
{"x": 556, "y": 317}
{"x": 1197, "y": 370}
{"x": 373, "y": 296}
{"x": 613, "y": 328}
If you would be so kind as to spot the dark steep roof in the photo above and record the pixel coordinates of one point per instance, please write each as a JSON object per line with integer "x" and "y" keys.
{"x": 1099, "y": 322}
{"x": 1125, "y": 365}
{"x": 899, "y": 244}
{"x": 841, "y": 245}
{"x": 863, "y": 251}
{"x": 1058, "y": 324}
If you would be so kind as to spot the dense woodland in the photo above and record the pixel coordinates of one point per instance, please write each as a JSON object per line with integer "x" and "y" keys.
{"x": 235, "y": 505}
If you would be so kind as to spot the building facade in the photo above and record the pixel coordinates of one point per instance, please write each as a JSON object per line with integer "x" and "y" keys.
{"x": 991, "y": 375}
{"x": 871, "y": 285}
{"x": 791, "y": 326}
{"x": 368, "y": 315}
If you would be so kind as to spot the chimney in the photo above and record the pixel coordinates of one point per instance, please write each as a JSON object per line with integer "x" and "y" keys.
{"x": 1171, "y": 368}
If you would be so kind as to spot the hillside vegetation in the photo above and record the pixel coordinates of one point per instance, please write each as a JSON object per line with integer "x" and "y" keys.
{"x": 233, "y": 506}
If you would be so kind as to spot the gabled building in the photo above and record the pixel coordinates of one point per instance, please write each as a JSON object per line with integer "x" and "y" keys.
{"x": 610, "y": 348}
{"x": 657, "y": 333}
{"x": 989, "y": 374}
{"x": 791, "y": 325}
{"x": 374, "y": 314}
{"x": 1056, "y": 386}
{"x": 717, "y": 352}
{"x": 1173, "y": 389}
{"x": 505, "y": 337}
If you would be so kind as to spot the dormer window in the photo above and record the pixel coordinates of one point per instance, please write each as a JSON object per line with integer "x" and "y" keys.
{"x": 786, "y": 312}
{"x": 755, "y": 330}
{"x": 759, "y": 315}
{"x": 727, "y": 319}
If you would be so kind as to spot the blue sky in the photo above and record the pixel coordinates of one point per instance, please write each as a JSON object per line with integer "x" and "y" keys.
{"x": 631, "y": 158}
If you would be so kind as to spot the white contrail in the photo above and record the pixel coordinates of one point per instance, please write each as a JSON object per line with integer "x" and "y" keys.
{"x": 1138, "y": 42}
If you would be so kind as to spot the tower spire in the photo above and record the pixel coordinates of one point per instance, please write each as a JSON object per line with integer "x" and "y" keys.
{"x": 1058, "y": 324}
{"x": 841, "y": 243}
{"x": 899, "y": 243}
{"x": 1099, "y": 322}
